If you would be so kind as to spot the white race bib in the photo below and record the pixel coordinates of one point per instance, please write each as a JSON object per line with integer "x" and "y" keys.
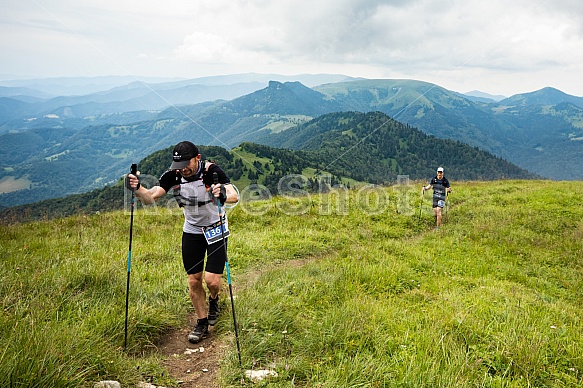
{"x": 214, "y": 233}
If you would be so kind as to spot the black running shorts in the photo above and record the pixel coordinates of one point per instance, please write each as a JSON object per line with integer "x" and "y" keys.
{"x": 194, "y": 248}
{"x": 438, "y": 202}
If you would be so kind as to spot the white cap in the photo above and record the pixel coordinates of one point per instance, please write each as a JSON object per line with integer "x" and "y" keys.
{"x": 439, "y": 169}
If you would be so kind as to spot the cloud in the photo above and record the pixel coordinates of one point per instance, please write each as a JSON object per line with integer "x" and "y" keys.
{"x": 450, "y": 43}
{"x": 202, "y": 47}
{"x": 423, "y": 34}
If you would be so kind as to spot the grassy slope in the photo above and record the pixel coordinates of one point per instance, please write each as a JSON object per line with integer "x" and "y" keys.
{"x": 331, "y": 291}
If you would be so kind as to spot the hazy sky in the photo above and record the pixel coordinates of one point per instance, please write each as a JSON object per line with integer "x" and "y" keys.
{"x": 498, "y": 47}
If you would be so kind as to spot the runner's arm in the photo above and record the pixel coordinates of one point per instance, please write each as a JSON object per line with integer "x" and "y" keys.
{"x": 232, "y": 195}
{"x": 448, "y": 186}
{"x": 146, "y": 196}
{"x": 430, "y": 185}
{"x": 149, "y": 196}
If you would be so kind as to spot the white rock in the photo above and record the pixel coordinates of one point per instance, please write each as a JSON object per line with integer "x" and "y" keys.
{"x": 107, "y": 384}
{"x": 258, "y": 375}
{"x": 146, "y": 385}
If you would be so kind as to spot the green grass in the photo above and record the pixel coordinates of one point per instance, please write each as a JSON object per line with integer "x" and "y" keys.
{"x": 349, "y": 289}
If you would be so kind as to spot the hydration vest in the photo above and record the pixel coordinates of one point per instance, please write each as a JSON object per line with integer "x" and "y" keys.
{"x": 193, "y": 200}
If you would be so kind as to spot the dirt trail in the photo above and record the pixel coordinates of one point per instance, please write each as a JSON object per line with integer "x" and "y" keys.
{"x": 197, "y": 369}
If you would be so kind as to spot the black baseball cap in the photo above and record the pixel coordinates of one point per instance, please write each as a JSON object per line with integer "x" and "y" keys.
{"x": 183, "y": 152}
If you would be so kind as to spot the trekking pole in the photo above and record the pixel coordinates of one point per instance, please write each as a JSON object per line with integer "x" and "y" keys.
{"x": 133, "y": 171}
{"x": 215, "y": 181}
{"x": 421, "y": 205}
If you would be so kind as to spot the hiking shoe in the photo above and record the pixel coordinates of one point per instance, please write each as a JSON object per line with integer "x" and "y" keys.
{"x": 199, "y": 332}
{"x": 214, "y": 310}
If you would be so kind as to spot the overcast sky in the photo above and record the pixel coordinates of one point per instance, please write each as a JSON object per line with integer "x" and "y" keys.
{"x": 495, "y": 46}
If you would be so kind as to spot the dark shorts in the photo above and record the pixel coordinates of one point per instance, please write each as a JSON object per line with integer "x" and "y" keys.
{"x": 438, "y": 202}
{"x": 194, "y": 248}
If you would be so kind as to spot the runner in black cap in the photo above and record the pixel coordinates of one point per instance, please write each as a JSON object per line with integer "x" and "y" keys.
{"x": 194, "y": 190}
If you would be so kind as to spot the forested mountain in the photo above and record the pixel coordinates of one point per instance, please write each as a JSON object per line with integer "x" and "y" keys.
{"x": 539, "y": 131}
{"x": 545, "y": 96}
{"x": 348, "y": 147}
{"x": 373, "y": 147}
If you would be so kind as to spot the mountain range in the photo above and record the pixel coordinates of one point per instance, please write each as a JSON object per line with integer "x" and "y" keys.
{"x": 31, "y": 100}
{"x": 71, "y": 144}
